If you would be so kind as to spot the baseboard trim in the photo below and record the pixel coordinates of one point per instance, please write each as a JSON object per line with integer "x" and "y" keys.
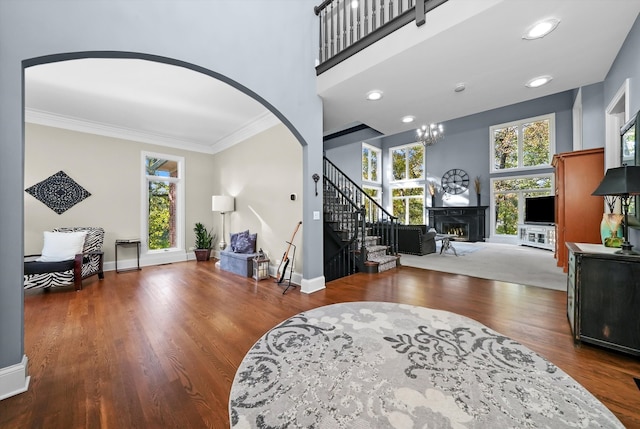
{"x": 14, "y": 379}
{"x": 312, "y": 285}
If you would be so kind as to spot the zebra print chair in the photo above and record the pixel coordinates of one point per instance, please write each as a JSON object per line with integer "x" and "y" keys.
{"x": 70, "y": 272}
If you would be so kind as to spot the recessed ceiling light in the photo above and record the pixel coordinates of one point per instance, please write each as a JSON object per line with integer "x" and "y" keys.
{"x": 541, "y": 29}
{"x": 374, "y": 95}
{"x": 460, "y": 87}
{"x": 539, "y": 81}
{"x": 408, "y": 119}
{"x": 354, "y": 4}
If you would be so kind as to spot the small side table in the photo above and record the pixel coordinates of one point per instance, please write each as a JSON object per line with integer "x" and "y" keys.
{"x": 134, "y": 242}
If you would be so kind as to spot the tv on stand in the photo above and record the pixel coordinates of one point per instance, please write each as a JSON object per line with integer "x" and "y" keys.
{"x": 539, "y": 228}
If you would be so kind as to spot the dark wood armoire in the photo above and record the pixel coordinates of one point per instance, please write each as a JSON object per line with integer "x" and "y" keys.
{"x": 578, "y": 213}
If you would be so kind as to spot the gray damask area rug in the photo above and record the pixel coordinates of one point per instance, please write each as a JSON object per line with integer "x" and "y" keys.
{"x": 383, "y": 365}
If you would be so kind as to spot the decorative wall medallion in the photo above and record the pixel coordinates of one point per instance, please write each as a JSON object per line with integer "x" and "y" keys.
{"x": 59, "y": 192}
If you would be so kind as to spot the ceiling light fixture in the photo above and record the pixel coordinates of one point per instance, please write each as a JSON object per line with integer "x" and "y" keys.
{"x": 408, "y": 119}
{"x": 354, "y": 4}
{"x": 460, "y": 87}
{"x": 374, "y": 95}
{"x": 541, "y": 29}
{"x": 429, "y": 135}
{"x": 539, "y": 81}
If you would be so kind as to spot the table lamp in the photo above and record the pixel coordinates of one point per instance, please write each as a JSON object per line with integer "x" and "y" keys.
{"x": 622, "y": 182}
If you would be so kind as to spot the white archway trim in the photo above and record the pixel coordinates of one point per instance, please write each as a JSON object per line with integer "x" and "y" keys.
{"x": 616, "y": 115}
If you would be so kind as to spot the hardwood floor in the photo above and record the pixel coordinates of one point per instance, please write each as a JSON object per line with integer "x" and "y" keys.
{"x": 159, "y": 348}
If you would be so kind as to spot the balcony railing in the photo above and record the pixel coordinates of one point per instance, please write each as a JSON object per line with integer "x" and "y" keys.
{"x": 348, "y": 26}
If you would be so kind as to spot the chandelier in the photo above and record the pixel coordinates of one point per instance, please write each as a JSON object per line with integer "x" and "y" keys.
{"x": 429, "y": 135}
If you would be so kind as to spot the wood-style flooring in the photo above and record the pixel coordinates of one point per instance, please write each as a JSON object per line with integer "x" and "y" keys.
{"x": 159, "y": 348}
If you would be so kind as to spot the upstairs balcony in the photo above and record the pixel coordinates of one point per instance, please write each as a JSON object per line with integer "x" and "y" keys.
{"x": 349, "y": 26}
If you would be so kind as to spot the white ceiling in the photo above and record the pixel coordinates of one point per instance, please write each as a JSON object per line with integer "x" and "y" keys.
{"x": 478, "y": 42}
{"x": 143, "y": 100}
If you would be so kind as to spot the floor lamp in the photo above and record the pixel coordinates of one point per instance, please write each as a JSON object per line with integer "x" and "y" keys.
{"x": 622, "y": 182}
{"x": 222, "y": 204}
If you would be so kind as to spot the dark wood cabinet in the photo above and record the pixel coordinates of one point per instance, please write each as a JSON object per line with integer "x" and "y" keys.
{"x": 578, "y": 213}
{"x": 603, "y": 297}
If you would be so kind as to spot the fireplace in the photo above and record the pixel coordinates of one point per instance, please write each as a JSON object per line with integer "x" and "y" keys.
{"x": 460, "y": 230}
{"x": 467, "y": 223}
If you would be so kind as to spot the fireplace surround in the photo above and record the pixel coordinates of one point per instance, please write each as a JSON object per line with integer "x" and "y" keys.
{"x": 467, "y": 223}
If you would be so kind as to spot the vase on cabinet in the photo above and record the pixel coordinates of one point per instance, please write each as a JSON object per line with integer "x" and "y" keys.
{"x": 611, "y": 230}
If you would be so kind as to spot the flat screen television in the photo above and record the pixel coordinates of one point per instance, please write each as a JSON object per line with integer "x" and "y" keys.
{"x": 540, "y": 210}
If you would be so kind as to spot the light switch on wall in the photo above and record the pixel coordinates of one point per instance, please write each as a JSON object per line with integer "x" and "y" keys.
{"x": 316, "y": 215}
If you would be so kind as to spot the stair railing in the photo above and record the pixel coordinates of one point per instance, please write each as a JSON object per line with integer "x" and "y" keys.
{"x": 347, "y": 218}
{"x": 347, "y": 27}
{"x": 374, "y": 218}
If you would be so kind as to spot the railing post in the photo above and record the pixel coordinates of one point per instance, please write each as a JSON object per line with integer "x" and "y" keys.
{"x": 420, "y": 13}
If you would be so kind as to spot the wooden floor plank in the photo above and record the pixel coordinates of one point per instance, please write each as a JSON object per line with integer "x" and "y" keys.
{"x": 160, "y": 347}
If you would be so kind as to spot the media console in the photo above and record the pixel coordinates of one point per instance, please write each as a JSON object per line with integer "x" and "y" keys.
{"x": 534, "y": 235}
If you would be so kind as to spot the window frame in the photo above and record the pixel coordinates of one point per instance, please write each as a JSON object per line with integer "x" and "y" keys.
{"x": 378, "y": 168}
{"x": 406, "y": 200}
{"x": 180, "y": 209}
{"x": 520, "y": 193}
{"x": 402, "y": 182}
{"x": 520, "y": 123}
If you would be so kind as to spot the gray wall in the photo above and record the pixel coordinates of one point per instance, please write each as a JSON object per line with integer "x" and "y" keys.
{"x": 271, "y": 57}
{"x": 593, "y": 120}
{"x": 465, "y": 145}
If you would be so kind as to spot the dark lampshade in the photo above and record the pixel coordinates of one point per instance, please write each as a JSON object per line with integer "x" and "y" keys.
{"x": 623, "y": 180}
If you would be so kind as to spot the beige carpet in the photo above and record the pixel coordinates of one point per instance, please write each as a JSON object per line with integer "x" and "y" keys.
{"x": 505, "y": 262}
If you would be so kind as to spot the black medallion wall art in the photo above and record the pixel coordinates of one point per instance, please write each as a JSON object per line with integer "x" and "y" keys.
{"x": 59, "y": 192}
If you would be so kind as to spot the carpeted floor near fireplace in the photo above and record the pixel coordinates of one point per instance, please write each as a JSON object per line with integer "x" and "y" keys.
{"x": 384, "y": 365}
{"x": 496, "y": 261}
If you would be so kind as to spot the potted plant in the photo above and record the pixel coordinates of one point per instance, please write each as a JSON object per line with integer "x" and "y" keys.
{"x": 204, "y": 242}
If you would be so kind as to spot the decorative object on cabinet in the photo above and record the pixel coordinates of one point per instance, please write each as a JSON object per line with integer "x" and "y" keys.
{"x": 222, "y": 204}
{"x": 59, "y": 192}
{"x": 577, "y": 213}
{"x": 623, "y": 182}
{"x": 602, "y": 297}
{"x": 611, "y": 229}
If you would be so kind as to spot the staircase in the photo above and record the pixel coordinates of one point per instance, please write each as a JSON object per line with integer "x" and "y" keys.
{"x": 359, "y": 235}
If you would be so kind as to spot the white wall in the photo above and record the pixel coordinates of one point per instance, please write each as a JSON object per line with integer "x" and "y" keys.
{"x": 110, "y": 169}
{"x": 261, "y": 173}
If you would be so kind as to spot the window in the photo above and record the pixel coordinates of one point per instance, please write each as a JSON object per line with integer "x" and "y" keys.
{"x": 372, "y": 211}
{"x": 407, "y": 179}
{"x": 164, "y": 202}
{"x": 407, "y": 162}
{"x": 371, "y": 157}
{"x": 524, "y": 144}
{"x": 408, "y": 205}
{"x": 508, "y": 195}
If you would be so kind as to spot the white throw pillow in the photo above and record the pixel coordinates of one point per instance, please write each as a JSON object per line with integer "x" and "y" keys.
{"x": 62, "y": 246}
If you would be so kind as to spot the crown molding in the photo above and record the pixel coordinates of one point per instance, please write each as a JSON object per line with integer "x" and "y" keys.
{"x": 261, "y": 123}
